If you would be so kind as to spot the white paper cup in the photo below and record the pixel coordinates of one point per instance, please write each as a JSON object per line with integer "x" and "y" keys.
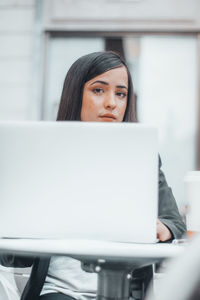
{"x": 192, "y": 194}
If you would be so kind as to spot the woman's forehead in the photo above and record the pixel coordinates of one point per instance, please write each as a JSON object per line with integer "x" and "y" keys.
{"x": 117, "y": 75}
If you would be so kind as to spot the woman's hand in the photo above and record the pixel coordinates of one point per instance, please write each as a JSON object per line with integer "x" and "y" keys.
{"x": 163, "y": 233}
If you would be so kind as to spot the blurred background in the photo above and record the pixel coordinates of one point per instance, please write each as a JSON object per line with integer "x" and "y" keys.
{"x": 160, "y": 40}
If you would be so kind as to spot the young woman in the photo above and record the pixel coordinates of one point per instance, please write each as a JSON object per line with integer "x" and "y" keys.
{"x": 98, "y": 87}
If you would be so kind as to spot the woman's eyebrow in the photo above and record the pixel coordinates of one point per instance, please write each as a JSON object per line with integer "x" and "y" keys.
{"x": 100, "y": 81}
{"x": 106, "y": 83}
{"x": 122, "y": 87}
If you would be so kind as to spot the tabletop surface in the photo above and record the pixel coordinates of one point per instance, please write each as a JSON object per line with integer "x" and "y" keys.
{"x": 90, "y": 249}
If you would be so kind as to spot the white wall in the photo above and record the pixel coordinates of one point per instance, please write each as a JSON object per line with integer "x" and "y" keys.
{"x": 16, "y": 42}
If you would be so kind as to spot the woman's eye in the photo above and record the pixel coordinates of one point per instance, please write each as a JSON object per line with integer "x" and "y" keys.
{"x": 98, "y": 91}
{"x": 121, "y": 94}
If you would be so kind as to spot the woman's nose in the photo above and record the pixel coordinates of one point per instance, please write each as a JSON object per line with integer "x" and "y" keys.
{"x": 110, "y": 101}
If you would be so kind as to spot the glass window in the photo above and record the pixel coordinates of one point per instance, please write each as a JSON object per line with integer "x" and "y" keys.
{"x": 165, "y": 75}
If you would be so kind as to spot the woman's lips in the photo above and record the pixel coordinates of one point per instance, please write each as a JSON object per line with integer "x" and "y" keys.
{"x": 108, "y": 117}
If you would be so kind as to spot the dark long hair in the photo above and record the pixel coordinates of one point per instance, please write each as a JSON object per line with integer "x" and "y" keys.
{"x": 83, "y": 70}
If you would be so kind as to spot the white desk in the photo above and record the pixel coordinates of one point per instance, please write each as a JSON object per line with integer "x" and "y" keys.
{"x": 112, "y": 261}
{"x": 92, "y": 250}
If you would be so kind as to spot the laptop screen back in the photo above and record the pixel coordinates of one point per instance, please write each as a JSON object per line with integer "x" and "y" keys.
{"x": 78, "y": 180}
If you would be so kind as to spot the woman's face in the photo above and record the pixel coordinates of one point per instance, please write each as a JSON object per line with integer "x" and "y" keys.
{"x": 105, "y": 97}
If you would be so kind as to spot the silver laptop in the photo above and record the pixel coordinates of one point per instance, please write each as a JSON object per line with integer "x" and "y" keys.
{"x": 78, "y": 180}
